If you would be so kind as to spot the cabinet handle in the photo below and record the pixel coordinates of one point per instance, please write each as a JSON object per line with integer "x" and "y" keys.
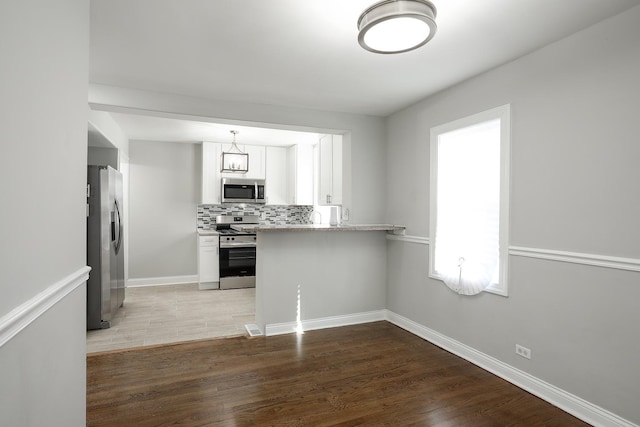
{"x": 328, "y": 198}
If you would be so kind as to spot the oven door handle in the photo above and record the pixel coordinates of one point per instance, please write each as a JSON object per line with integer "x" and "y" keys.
{"x": 237, "y": 245}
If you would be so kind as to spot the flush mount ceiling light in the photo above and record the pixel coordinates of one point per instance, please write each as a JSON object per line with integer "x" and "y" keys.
{"x": 235, "y": 160}
{"x": 395, "y": 26}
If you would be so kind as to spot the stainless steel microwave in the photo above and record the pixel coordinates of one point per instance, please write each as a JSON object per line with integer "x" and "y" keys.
{"x": 238, "y": 190}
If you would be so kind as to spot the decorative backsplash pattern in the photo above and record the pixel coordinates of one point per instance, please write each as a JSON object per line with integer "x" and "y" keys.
{"x": 272, "y": 214}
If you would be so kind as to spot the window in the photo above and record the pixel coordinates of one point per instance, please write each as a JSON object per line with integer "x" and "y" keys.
{"x": 469, "y": 202}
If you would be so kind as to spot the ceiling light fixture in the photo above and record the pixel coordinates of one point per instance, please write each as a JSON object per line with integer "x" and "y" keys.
{"x": 235, "y": 160}
{"x": 396, "y": 26}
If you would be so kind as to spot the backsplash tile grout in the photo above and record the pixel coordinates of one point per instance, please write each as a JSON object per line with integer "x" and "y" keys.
{"x": 269, "y": 214}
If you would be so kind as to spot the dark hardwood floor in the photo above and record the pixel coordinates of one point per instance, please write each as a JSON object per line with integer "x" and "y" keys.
{"x": 374, "y": 374}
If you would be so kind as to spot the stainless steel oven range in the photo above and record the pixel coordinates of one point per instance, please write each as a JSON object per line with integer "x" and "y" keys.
{"x": 237, "y": 252}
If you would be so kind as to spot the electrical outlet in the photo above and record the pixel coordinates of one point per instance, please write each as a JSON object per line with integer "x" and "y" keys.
{"x": 523, "y": 351}
{"x": 345, "y": 214}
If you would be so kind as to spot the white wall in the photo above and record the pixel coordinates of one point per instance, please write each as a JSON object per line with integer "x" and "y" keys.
{"x": 164, "y": 195}
{"x": 328, "y": 275}
{"x": 575, "y": 176}
{"x": 102, "y": 156}
{"x": 44, "y": 48}
{"x": 103, "y": 123}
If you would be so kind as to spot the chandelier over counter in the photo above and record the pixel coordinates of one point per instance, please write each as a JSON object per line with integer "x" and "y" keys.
{"x": 235, "y": 160}
{"x": 396, "y": 26}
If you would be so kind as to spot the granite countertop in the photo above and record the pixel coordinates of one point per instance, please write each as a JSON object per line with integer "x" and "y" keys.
{"x": 253, "y": 228}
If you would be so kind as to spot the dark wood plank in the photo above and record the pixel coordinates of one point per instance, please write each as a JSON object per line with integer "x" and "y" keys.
{"x": 371, "y": 374}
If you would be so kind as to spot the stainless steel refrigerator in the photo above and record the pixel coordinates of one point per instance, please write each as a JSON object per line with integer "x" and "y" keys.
{"x": 105, "y": 246}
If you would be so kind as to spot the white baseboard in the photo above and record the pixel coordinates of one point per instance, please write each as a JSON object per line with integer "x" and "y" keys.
{"x": 12, "y": 323}
{"x": 325, "y": 322}
{"x": 161, "y": 281}
{"x": 205, "y": 286}
{"x": 566, "y": 401}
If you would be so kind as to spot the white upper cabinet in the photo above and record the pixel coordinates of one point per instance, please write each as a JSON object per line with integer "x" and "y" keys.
{"x": 277, "y": 176}
{"x": 212, "y": 165}
{"x": 210, "y": 173}
{"x": 288, "y": 171}
{"x": 330, "y": 171}
{"x": 300, "y": 182}
{"x": 257, "y": 160}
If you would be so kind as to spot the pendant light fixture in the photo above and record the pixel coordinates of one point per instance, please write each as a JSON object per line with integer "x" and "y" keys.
{"x": 396, "y": 26}
{"x": 235, "y": 160}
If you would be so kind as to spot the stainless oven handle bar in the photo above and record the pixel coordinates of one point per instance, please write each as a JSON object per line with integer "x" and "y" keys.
{"x": 237, "y": 245}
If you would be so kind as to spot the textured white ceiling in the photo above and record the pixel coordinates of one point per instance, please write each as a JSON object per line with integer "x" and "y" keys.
{"x": 304, "y": 53}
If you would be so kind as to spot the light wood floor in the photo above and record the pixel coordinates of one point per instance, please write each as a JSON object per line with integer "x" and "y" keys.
{"x": 374, "y": 374}
{"x": 166, "y": 314}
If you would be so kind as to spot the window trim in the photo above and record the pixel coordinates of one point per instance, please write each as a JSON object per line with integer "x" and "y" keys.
{"x": 504, "y": 114}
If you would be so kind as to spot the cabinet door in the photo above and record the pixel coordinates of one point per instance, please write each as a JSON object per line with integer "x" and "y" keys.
{"x": 336, "y": 171}
{"x": 208, "y": 263}
{"x": 330, "y": 170}
{"x": 301, "y": 167}
{"x": 292, "y": 155}
{"x": 326, "y": 170}
{"x": 277, "y": 176}
{"x": 210, "y": 173}
{"x": 256, "y": 161}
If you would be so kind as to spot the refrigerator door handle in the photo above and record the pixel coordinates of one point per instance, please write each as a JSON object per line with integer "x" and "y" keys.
{"x": 117, "y": 227}
{"x": 113, "y": 226}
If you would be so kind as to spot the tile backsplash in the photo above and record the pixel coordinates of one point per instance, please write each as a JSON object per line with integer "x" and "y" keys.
{"x": 271, "y": 214}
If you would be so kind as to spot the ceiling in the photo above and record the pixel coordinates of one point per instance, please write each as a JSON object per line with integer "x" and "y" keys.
{"x": 147, "y": 128}
{"x": 305, "y": 53}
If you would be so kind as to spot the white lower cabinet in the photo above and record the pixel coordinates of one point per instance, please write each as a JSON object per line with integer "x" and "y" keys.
{"x": 210, "y": 173}
{"x": 208, "y": 264}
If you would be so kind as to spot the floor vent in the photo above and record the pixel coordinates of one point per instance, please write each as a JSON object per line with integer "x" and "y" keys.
{"x": 253, "y": 330}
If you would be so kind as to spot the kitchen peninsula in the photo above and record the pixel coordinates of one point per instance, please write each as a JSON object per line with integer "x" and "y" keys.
{"x": 312, "y": 276}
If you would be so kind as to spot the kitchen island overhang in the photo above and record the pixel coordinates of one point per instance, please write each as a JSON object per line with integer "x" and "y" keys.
{"x": 316, "y": 276}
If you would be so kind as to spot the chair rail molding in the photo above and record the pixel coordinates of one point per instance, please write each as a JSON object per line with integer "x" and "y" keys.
{"x": 407, "y": 238}
{"x": 12, "y": 323}
{"x": 629, "y": 264}
{"x": 595, "y": 260}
